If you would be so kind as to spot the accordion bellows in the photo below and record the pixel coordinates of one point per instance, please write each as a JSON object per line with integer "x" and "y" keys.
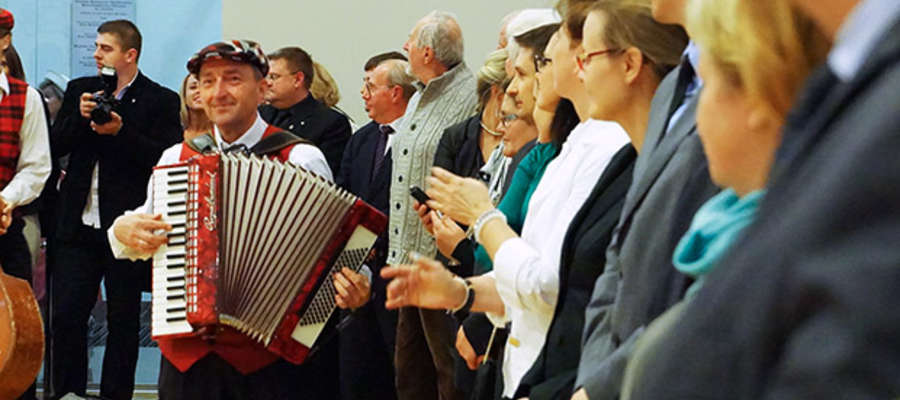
{"x": 254, "y": 246}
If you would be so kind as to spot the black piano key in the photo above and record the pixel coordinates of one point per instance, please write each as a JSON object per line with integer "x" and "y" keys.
{"x": 176, "y": 309}
{"x": 177, "y": 213}
{"x": 175, "y": 297}
{"x": 178, "y": 191}
{"x": 176, "y": 203}
{"x": 176, "y": 319}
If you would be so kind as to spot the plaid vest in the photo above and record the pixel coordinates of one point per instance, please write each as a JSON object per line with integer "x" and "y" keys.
{"x": 12, "y": 113}
{"x": 244, "y": 354}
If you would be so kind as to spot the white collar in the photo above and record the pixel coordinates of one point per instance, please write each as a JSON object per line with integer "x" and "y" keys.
{"x": 396, "y": 123}
{"x": 4, "y": 83}
{"x": 249, "y": 138}
{"x": 859, "y": 34}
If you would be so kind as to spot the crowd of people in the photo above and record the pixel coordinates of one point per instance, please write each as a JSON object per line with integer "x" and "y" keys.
{"x": 635, "y": 199}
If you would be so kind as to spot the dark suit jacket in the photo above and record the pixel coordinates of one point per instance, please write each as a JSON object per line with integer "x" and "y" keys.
{"x": 328, "y": 129}
{"x": 150, "y": 125}
{"x": 583, "y": 258}
{"x": 805, "y": 305}
{"x": 459, "y": 150}
{"x": 639, "y": 282}
{"x": 367, "y": 342}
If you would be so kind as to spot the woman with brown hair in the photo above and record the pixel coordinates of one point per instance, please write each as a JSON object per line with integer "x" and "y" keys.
{"x": 532, "y": 281}
{"x": 193, "y": 115}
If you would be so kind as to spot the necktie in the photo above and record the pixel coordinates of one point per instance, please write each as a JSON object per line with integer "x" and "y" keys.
{"x": 380, "y": 145}
{"x": 685, "y": 78}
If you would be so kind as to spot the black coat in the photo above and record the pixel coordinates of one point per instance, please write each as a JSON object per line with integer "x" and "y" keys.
{"x": 805, "y": 304}
{"x": 150, "y": 125}
{"x": 367, "y": 341}
{"x": 328, "y": 129}
{"x": 459, "y": 150}
{"x": 582, "y": 260}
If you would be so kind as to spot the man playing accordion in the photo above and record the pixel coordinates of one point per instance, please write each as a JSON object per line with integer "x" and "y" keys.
{"x": 230, "y": 365}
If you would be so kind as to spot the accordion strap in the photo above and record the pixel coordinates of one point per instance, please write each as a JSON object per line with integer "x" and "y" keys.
{"x": 203, "y": 143}
{"x": 270, "y": 144}
{"x": 276, "y": 142}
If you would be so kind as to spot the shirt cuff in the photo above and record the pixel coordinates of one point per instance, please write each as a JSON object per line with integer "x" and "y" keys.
{"x": 498, "y": 320}
{"x": 9, "y": 197}
{"x": 513, "y": 255}
{"x": 364, "y": 270}
{"x": 120, "y": 250}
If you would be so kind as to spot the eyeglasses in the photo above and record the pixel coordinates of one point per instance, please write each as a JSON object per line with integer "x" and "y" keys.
{"x": 370, "y": 88}
{"x": 584, "y": 59}
{"x": 272, "y": 77}
{"x": 540, "y": 62}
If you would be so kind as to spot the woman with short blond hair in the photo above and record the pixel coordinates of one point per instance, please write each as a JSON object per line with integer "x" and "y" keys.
{"x": 755, "y": 56}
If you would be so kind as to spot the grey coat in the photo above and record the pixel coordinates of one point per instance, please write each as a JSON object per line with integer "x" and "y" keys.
{"x": 671, "y": 182}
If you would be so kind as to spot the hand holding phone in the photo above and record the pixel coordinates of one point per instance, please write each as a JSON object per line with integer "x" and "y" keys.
{"x": 419, "y": 194}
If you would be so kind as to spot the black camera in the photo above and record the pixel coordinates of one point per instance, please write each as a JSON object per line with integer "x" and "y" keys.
{"x": 106, "y": 100}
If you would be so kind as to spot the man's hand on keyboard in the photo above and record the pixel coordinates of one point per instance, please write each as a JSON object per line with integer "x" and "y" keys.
{"x": 141, "y": 232}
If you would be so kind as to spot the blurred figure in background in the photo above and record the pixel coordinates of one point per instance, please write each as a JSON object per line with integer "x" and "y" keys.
{"x": 193, "y": 116}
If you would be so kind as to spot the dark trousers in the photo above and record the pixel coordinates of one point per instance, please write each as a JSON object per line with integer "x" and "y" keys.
{"x": 81, "y": 263}
{"x": 15, "y": 259}
{"x": 366, "y": 355}
{"x": 212, "y": 378}
{"x": 424, "y": 355}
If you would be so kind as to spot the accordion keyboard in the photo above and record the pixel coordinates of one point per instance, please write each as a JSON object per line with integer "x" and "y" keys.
{"x": 170, "y": 199}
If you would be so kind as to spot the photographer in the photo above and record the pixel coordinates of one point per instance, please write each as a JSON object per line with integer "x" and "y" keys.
{"x": 111, "y": 156}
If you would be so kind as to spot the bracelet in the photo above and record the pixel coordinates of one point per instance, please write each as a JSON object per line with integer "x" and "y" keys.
{"x": 467, "y": 302}
{"x": 483, "y": 219}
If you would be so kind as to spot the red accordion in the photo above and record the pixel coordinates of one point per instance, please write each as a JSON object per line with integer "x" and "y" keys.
{"x": 254, "y": 246}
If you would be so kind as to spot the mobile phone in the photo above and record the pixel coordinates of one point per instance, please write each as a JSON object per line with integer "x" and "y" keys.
{"x": 419, "y": 194}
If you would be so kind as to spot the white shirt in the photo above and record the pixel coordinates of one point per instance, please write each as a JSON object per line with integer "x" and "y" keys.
{"x": 33, "y": 166}
{"x": 390, "y": 139}
{"x": 526, "y": 269}
{"x": 91, "y": 214}
{"x": 306, "y": 156}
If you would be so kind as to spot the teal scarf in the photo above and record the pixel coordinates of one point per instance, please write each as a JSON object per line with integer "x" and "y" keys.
{"x": 716, "y": 226}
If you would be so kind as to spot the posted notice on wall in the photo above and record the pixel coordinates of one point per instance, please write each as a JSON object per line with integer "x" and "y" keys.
{"x": 87, "y": 15}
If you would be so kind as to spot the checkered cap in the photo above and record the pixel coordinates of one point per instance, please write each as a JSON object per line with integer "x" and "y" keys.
{"x": 244, "y": 51}
{"x": 6, "y": 19}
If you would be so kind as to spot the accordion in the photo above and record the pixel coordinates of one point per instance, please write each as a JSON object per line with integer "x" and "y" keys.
{"x": 253, "y": 247}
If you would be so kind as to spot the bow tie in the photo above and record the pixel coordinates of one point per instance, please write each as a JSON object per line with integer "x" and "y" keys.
{"x": 238, "y": 148}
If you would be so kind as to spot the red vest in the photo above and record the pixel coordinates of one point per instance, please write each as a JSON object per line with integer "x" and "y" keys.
{"x": 244, "y": 354}
{"x": 12, "y": 113}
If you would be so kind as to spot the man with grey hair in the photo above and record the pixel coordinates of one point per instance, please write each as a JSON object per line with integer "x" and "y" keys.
{"x": 446, "y": 96}
{"x": 367, "y": 341}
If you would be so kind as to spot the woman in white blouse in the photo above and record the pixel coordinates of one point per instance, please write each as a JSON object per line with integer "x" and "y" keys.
{"x": 524, "y": 285}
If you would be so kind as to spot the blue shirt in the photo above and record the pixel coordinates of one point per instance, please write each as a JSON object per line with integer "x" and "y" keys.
{"x": 693, "y": 54}
{"x": 859, "y": 34}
